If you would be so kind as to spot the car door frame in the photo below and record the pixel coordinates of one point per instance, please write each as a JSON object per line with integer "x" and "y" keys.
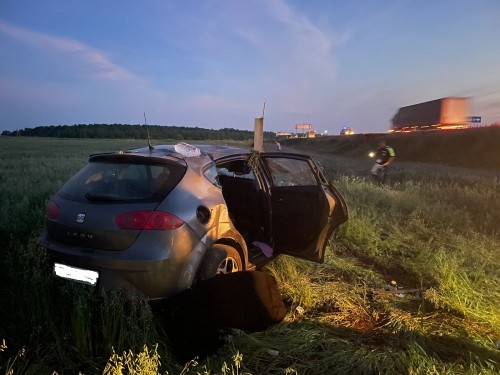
{"x": 335, "y": 214}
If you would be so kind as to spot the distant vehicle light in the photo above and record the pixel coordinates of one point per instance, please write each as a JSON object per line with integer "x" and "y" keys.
{"x": 371, "y": 154}
{"x": 346, "y": 131}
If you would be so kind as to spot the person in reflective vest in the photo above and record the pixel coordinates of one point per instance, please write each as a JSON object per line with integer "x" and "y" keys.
{"x": 383, "y": 159}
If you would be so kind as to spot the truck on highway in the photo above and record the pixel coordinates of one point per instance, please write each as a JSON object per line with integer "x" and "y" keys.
{"x": 444, "y": 113}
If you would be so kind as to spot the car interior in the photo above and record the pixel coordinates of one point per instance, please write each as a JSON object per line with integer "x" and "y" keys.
{"x": 245, "y": 200}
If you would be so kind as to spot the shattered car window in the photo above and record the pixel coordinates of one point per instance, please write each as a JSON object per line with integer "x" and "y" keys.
{"x": 212, "y": 175}
{"x": 290, "y": 172}
{"x": 119, "y": 182}
{"x": 236, "y": 168}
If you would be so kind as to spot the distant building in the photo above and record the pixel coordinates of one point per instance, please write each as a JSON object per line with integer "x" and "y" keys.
{"x": 311, "y": 134}
{"x": 285, "y": 135}
{"x": 305, "y": 131}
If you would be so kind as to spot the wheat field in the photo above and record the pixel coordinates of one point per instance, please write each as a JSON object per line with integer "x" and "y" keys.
{"x": 434, "y": 234}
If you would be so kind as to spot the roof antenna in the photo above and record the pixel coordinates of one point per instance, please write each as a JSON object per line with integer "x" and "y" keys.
{"x": 151, "y": 148}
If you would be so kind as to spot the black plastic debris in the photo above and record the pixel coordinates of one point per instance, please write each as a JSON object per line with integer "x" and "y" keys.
{"x": 196, "y": 320}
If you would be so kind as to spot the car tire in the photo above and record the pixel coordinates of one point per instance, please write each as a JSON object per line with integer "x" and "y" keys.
{"x": 220, "y": 259}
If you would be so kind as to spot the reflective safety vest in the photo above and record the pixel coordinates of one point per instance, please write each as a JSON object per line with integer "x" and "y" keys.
{"x": 384, "y": 153}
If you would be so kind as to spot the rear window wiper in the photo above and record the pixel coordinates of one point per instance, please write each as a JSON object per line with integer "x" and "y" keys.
{"x": 107, "y": 198}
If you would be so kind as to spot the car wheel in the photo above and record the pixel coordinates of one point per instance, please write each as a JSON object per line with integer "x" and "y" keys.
{"x": 220, "y": 259}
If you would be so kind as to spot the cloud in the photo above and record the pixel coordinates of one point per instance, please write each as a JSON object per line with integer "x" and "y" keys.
{"x": 97, "y": 90}
{"x": 294, "y": 58}
{"x": 276, "y": 38}
{"x": 285, "y": 59}
{"x": 96, "y": 63}
{"x": 310, "y": 48}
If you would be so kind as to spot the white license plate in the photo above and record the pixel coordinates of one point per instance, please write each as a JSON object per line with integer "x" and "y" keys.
{"x": 77, "y": 274}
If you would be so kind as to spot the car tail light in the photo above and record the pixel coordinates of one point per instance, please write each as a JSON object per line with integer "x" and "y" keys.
{"x": 147, "y": 220}
{"x": 52, "y": 210}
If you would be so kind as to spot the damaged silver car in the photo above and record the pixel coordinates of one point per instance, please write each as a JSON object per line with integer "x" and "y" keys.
{"x": 151, "y": 222}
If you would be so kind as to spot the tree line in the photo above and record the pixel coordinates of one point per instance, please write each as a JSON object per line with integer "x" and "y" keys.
{"x": 127, "y": 131}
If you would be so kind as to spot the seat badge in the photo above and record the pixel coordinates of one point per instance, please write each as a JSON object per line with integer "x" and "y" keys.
{"x": 80, "y": 218}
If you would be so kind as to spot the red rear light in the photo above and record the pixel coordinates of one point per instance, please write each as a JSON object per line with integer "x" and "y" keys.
{"x": 147, "y": 220}
{"x": 163, "y": 220}
{"x": 132, "y": 220}
{"x": 52, "y": 210}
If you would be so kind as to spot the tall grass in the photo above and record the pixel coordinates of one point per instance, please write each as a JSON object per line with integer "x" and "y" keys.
{"x": 36, "y": 311}
{"x": 436, "y": 230}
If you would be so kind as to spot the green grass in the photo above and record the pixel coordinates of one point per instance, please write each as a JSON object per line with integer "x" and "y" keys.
{"x": 436, "y": 230}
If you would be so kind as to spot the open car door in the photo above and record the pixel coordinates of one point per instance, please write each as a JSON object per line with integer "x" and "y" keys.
{"x": 305, "y": 208}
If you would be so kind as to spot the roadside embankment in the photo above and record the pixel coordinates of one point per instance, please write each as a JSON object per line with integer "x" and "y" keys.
{"x": 467, "y": 148}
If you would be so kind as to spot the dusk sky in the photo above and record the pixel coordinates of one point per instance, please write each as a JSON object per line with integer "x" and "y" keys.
{"x": 213, "y": 63}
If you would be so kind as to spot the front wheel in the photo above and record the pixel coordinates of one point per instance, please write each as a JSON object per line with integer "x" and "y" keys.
{"x": 220, "y": 259}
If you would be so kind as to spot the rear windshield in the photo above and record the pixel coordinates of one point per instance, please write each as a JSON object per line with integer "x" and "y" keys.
{"x": 122, "y": 182}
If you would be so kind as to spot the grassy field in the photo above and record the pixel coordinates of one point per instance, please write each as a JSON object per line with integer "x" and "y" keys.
{"x": 435, "y": 231}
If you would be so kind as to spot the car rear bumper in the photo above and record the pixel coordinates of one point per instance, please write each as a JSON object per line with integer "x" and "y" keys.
{"x": 157, "y": 275}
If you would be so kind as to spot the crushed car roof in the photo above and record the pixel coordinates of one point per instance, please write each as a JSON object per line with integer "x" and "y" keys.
{"x": 211, "y": 150}
{"x": 193, "y": 154}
